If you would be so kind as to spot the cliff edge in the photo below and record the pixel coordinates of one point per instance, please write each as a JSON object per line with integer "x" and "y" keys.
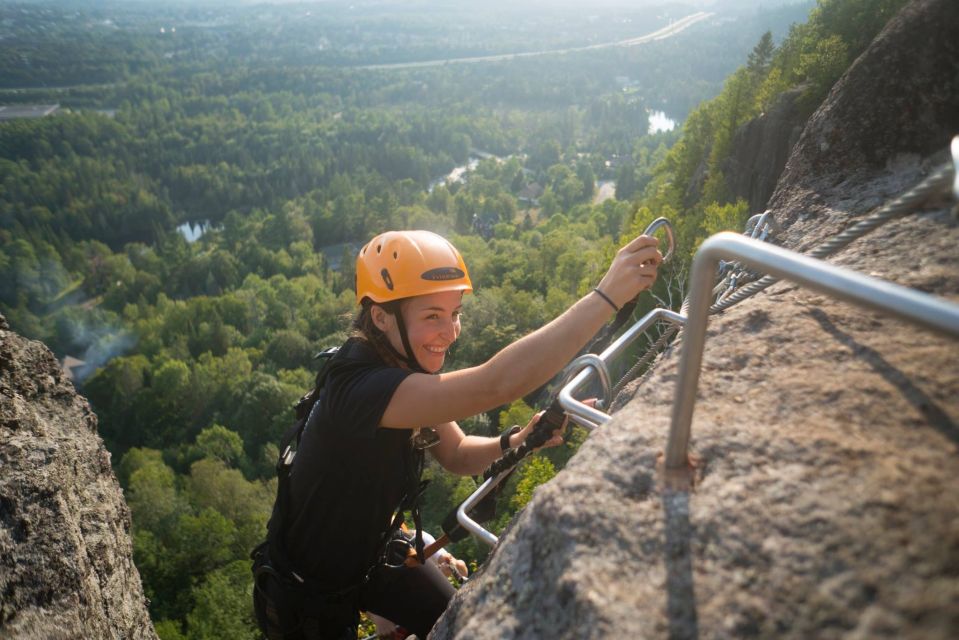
{"x": 66, "y": 559}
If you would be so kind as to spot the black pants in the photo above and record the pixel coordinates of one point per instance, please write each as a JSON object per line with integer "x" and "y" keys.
{"x": 286, "y": 612}
{"x": 412, "y": 597}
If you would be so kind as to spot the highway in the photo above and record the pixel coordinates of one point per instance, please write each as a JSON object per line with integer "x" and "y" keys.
{"x": 667, "y": 31}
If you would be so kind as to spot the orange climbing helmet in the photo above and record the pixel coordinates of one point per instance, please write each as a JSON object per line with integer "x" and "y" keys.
{"x": 401, "y": 264}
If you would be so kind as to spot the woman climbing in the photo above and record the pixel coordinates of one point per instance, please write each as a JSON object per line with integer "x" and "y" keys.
{"x": 384, "y": 402}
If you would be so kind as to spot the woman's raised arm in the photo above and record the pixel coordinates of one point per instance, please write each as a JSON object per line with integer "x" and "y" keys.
{"x": 532, "y": 360}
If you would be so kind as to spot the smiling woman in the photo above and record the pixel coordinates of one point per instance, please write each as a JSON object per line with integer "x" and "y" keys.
{"x": 434, "y": 326}
{"x": 336, "y": 541}
{"x": 398, "y": 269}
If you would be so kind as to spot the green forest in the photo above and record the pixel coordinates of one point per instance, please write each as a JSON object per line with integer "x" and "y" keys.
{"x": 185, "y": 224}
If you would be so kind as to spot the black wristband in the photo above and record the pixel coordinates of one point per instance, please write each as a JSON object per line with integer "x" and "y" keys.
{"x": 607, "y": 299}
{"x": 504, "y": 437}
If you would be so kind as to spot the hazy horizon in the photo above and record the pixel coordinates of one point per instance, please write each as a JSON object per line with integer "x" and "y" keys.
{"x": 432, "y": 4}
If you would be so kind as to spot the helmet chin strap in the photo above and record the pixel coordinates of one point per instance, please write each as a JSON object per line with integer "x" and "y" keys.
{"x": 409, "y": 358}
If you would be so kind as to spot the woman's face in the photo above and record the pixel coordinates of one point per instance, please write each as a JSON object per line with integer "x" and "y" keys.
{"x": 432, "y": 325}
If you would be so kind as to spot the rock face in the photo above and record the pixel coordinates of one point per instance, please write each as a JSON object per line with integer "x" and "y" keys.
{"x": 826, "y": 503}
{"x": 898, "y": 98}
{"x": 66, "y": 560}
{"x": 760, "y": 150}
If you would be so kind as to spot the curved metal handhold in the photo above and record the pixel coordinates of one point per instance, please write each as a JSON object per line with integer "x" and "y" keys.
{"x": 462, "y": 513}
{"x": 955, "y": 167}
{"x": 597, "y": 363}
{"x": 926, "y": 310}
{"x": 654, "y": 226}
{"x": 761, "y": 225}
{"x": 590, "y": 417}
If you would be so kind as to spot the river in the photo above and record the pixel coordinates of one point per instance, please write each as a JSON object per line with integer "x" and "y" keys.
{"x": 456, "y": 175}
{"x": 459, "y": 173}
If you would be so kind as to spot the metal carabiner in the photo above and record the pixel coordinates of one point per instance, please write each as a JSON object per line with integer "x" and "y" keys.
{"x": 654, "y": 226}
{"x": 597, "y": 363}
{"x": 761, "y": 225}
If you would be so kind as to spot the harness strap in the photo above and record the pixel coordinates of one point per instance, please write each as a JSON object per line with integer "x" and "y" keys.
{"x": 277, "y": 563}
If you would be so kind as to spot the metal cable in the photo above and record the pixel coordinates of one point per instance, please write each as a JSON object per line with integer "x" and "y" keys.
{"x": 651, "y": 353}
{"x": 908, "y": 202}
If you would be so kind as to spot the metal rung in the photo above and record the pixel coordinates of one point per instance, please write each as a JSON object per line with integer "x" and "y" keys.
{"x": 462, "y": 515}
{"x": 578, "y": 412}
{"x": 588, "y": 416}
{"x": 913, "y": 306}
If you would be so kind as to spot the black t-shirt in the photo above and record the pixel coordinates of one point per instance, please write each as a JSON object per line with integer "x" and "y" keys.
{"x": 349, "y": 474}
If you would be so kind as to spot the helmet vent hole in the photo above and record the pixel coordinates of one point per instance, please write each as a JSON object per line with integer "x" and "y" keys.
{"x": 395, "y": 255}
{"x": 379, "y": 248}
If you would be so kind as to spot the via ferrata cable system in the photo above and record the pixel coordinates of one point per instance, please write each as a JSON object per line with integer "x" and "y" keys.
{"x": 479, "y": 506}
{"x": 754, "y": 264}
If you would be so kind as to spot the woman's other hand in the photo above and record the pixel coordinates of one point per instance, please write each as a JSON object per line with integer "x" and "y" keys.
{"x": 557, "y": 438}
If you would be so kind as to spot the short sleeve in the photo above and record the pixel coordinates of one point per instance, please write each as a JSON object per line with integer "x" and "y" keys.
{"x": 357, "y": 395}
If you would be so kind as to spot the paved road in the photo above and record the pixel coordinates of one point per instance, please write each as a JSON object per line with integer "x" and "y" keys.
{"x": 606, "y": 189}
{"x": 665, "y": 32}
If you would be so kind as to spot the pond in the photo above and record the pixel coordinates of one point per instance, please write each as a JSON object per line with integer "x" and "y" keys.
{"x": 659, "y": 121}
{"x": 193, "y": 230}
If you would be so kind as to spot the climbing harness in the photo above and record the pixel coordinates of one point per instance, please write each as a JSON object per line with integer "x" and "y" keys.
{"x": 280, "y": 594}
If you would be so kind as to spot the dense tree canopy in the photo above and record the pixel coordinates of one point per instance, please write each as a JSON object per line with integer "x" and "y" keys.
{"x": 261, "y": 135}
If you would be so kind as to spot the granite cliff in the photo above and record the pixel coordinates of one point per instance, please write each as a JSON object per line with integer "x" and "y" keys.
{"x": 760, "y": 149}
{"x": 66, "y": 559}
{"x": 827, "y": 501}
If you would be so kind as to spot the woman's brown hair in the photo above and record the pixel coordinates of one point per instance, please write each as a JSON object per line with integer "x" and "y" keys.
{"x": 365, "y": 329}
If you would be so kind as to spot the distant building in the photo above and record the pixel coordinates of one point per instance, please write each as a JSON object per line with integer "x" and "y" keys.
{"x": 483, "y": 224}
{"x": 530, "y": 194}
{"x": 17, "y": 111}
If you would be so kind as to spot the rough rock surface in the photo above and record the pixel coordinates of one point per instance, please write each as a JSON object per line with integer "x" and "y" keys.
{"x": 761, "y": 148}
{"x": 66, "y": 560}
{"x": 827, "y": 497}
